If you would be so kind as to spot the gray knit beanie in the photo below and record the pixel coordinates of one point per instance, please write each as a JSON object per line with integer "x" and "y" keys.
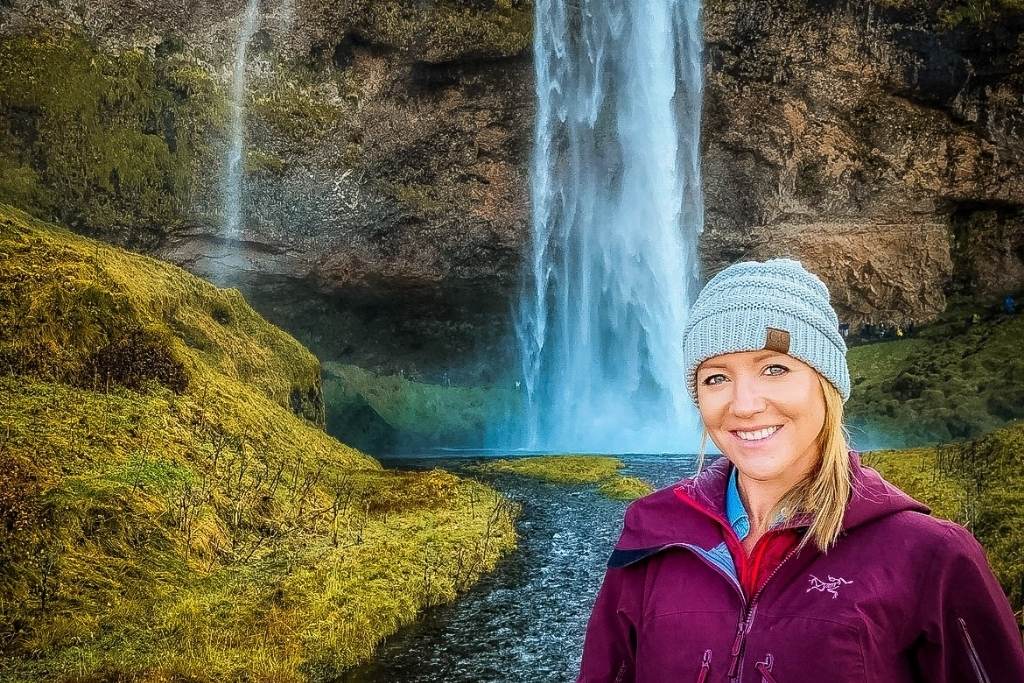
{"x": 776, "y": 305}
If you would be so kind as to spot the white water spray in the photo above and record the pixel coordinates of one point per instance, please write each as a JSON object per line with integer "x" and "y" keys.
{"x": 236, "y": 148}
{"x": 286, "y": 13}
{"x": 616, "y": 212}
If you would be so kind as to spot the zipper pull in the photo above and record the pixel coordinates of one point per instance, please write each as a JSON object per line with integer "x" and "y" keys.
{"x": 736, "y": 646}
{"x": 705, "y": 666}
{"x": 739, "y": 637}
{"x": 765, "y": 668}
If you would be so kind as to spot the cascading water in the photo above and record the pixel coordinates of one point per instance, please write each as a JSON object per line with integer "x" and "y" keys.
{"x": 616, "y": 212}
{"x": 236, "y": 146}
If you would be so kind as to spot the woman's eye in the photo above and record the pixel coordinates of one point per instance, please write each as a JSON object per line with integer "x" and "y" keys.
{"x": 707, "y": 380}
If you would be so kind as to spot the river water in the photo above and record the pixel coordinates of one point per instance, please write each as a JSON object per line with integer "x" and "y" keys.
{"x": 526, "y": 620}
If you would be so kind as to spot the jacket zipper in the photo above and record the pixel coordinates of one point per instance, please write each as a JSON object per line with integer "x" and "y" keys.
{"x": 748, "y": 608}
{"x": 979, "y": 670}
{"x": 748, "y": 618}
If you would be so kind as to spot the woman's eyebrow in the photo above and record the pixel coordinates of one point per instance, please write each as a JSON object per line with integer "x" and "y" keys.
{"x": 756, "y": 359}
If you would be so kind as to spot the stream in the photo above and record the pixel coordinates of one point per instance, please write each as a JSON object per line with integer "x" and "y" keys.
{"x": 526, "y": 620}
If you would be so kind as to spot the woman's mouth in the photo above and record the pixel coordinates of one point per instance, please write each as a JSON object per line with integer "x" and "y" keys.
{"x": 756, "y": 437}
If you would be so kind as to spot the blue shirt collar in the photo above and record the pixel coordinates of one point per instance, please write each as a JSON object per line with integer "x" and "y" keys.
{"x": 734, "y": 510}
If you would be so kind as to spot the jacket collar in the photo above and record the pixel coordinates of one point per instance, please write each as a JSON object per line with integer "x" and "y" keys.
{"x": 871, "y": 497}
{"x": 693, "y": 511}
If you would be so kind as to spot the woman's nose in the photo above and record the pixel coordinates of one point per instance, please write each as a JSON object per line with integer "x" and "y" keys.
{"x": 748, "y": 397}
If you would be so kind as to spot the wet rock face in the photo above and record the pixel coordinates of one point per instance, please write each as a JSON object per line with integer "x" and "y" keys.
{"x": 388, "y": 144}
{"x": 385, "y": 166}
{"x": 405, "y": 201}
{"x": 880, "y": 145}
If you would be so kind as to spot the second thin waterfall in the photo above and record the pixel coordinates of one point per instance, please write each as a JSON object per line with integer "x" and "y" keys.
{"x": 236, "y": 144}
{"x": 616, "y": 213}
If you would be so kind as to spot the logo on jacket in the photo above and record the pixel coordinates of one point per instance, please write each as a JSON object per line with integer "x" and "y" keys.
{"x": 832, "y": 585}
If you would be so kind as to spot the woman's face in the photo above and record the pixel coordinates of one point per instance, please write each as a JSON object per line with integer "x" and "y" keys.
{"x": 752, "y": 390}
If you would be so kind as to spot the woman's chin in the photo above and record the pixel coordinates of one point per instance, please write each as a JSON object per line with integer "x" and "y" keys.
{"x": 761, "y": 464}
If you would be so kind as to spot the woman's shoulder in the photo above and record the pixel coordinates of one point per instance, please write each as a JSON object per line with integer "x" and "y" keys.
{"x": 930, "y": 539}
{"x": 655, "y": 519}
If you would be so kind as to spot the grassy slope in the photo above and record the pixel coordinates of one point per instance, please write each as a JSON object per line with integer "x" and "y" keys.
{"x": 171, "y": 506}
{"x": 381, "y": 412}
{"x": 979, "y": 484}
{"x": 949, "y": 382}
{"x": 575, "y": 469}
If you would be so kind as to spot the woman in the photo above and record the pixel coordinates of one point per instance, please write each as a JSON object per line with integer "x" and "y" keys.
{"x": 787, "y": 560}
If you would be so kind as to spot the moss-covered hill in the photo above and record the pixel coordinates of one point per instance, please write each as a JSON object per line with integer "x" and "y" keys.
{"x": 979, "y": 484}
{"x": 170, "y": 506}
{"x": 951, "y": 380}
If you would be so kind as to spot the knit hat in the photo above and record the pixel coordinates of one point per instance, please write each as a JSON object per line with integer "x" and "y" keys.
{"x": 775, "y": 304}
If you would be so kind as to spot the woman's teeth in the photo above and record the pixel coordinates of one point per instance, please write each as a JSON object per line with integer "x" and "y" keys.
{"x": 758, "y": 435}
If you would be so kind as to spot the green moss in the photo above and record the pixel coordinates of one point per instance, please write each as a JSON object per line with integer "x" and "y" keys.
{"x": 625, "y": 488}
{"x": 20, "y": 183}
{"x": 574, "y": 469}
{"x": 257, "y": 161}
{"x": 950, "y": 381}
{"x": 77, "y": 311}
{"x": 949, "y": 14}
{"x": 448, "y": 31}
{"x": 293, "y": 110}
{"x": 978, "y": 12}
{"x": 562, "y": 469}
{"x": 106, "y": 143}
{"x": 421, "y": 198}
{"x": 979, "y": 484}
{"x": 380, "y": 411}
{"x": 151, "y": 530}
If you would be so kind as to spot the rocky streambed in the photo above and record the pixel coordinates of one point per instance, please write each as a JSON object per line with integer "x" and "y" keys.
{"x": 526, "y": 620}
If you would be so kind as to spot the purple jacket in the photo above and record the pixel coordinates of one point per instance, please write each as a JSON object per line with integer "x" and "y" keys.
{"x": 902, "y": 596}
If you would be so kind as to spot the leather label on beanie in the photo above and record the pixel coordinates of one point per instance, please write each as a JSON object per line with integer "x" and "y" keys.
{"x": 777, "y": 340}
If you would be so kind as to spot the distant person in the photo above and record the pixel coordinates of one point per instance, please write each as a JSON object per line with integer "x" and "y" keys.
{"x": 1009, "y": 305}
{"x": 787, "y": 559}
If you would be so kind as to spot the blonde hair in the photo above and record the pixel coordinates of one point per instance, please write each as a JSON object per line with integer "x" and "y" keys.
{"x": 825, "y": 491}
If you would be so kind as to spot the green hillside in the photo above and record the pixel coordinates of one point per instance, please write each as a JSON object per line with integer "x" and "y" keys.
{"x": 951, "y": 381}
{"x": 171, "y": 507}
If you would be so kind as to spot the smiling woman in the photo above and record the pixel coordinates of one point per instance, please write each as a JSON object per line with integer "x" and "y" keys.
{"x": 766, "y": 412}
{"x": 787, "y": 556}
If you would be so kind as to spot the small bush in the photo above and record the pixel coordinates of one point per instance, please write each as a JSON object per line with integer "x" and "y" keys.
{"x": 133, "y": 360}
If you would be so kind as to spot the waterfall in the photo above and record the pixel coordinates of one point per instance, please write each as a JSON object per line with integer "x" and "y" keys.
{"x": 236, "y": 146}
{"x": 286, "y": 13}
{"x": 616, "y": 213}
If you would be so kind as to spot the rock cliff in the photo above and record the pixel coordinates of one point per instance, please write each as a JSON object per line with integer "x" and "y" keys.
{"x": 386, "y": 196}
{"x": 879, "y": 142}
